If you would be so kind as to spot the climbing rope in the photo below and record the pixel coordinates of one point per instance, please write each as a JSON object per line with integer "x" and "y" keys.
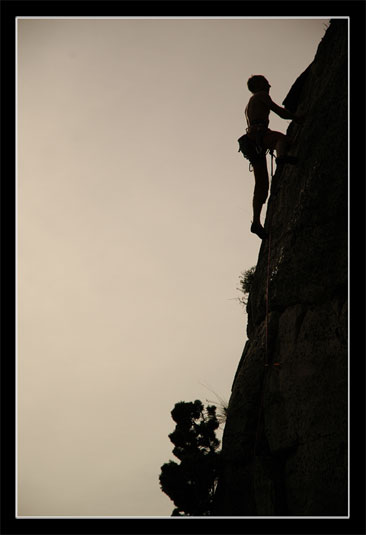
{"x": 267, "y": 294}
{"x": 266, "y": 363}
{"x": 267, "y": 359}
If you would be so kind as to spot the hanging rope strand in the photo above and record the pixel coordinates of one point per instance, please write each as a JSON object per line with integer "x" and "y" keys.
{"x": 267, "y": 294}
{"x": 266, "y": 362}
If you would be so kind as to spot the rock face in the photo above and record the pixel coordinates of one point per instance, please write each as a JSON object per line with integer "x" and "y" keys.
{"x": 285, "y": 443}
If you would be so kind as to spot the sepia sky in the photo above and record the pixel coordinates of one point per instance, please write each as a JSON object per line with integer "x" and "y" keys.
{"x": 133, "y": 217}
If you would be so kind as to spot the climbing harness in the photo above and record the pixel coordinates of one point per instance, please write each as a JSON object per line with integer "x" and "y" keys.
{"x": 253, "y": 151}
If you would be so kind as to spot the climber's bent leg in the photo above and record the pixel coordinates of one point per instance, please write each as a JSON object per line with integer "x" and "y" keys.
{"x": 279, "y": 142}
{"x": 276, "y": 141}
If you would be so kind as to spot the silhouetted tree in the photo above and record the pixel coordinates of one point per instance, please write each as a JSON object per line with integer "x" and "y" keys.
{"x": 191, "y": 484}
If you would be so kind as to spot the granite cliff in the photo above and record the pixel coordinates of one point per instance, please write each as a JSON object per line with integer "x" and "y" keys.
{"x": 285, "y": 442}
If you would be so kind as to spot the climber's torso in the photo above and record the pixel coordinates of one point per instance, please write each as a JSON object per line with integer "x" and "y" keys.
{"x": 257, "y": 110}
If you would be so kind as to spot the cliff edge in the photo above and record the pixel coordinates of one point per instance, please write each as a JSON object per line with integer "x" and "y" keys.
{"x": 285, "y": 443}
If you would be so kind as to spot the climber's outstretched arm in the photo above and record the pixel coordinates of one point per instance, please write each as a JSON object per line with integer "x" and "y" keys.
{"x": 282, "y": 112}
{"x": 285, "y": 114}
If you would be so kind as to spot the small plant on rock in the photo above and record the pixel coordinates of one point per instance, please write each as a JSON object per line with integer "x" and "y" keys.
{"x": 246, "y": 280}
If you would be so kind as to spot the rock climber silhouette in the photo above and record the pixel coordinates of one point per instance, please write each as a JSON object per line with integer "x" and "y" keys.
{"x": 257, "y": 112}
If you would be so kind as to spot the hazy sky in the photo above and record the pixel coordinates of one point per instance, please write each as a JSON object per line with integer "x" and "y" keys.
{"x": 133, "y": 217}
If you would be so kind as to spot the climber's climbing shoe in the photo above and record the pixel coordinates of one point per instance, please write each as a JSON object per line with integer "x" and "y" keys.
{"x": 257, "y": 229}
